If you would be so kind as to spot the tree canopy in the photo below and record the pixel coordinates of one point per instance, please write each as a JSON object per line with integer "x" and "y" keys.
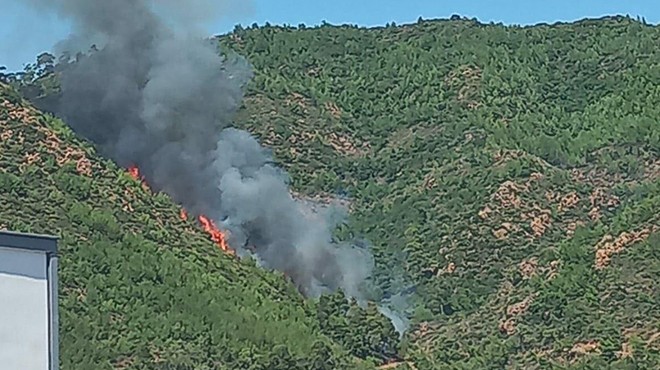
{"x": 510, "y": 174}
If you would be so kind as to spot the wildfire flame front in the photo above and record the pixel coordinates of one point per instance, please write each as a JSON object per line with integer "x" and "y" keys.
{"x": 207, "y": 225}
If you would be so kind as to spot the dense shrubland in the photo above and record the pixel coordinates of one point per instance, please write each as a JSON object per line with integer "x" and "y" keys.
{"x": 510, "y": 174}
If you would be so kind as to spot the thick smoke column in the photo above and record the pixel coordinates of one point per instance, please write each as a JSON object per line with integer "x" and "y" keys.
{"x": 156, "y": 96}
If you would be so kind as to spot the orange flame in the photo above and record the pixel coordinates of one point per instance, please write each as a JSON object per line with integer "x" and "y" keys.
{"x": 135, "y": 173}
{"x": 216, "y": 235}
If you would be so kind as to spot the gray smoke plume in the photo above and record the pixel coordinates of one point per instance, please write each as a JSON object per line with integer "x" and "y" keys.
{"x": 156, "y": 95}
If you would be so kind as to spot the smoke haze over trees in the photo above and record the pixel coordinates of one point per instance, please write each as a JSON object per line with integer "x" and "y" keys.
{"x": 511, "y": 172}
{"x": 154, "y": 94}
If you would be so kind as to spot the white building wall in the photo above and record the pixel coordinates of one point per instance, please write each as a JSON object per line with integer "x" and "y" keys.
{"x": 24, "y": 320}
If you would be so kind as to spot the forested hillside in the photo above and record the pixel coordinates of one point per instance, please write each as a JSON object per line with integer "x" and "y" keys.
{"x": 516, "y": 169}
{"x": 140, "y": 288}
{"x": 510, "y": 175}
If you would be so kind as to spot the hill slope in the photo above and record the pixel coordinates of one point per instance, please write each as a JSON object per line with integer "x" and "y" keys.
{"x": 140, "y": 287}
{"x": 517, "y": 168}
{"x": 510, "y": 174}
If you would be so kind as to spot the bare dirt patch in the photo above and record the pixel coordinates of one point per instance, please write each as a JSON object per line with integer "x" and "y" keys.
{"x": 608, "y": 246}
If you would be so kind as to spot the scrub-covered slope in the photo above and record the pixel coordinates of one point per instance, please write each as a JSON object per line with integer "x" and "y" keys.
{"x": 140, "y": 288}
{"x": 512, "y": 174}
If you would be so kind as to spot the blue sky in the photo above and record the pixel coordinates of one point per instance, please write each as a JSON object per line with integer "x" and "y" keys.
{"x": 25, "y": 33}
